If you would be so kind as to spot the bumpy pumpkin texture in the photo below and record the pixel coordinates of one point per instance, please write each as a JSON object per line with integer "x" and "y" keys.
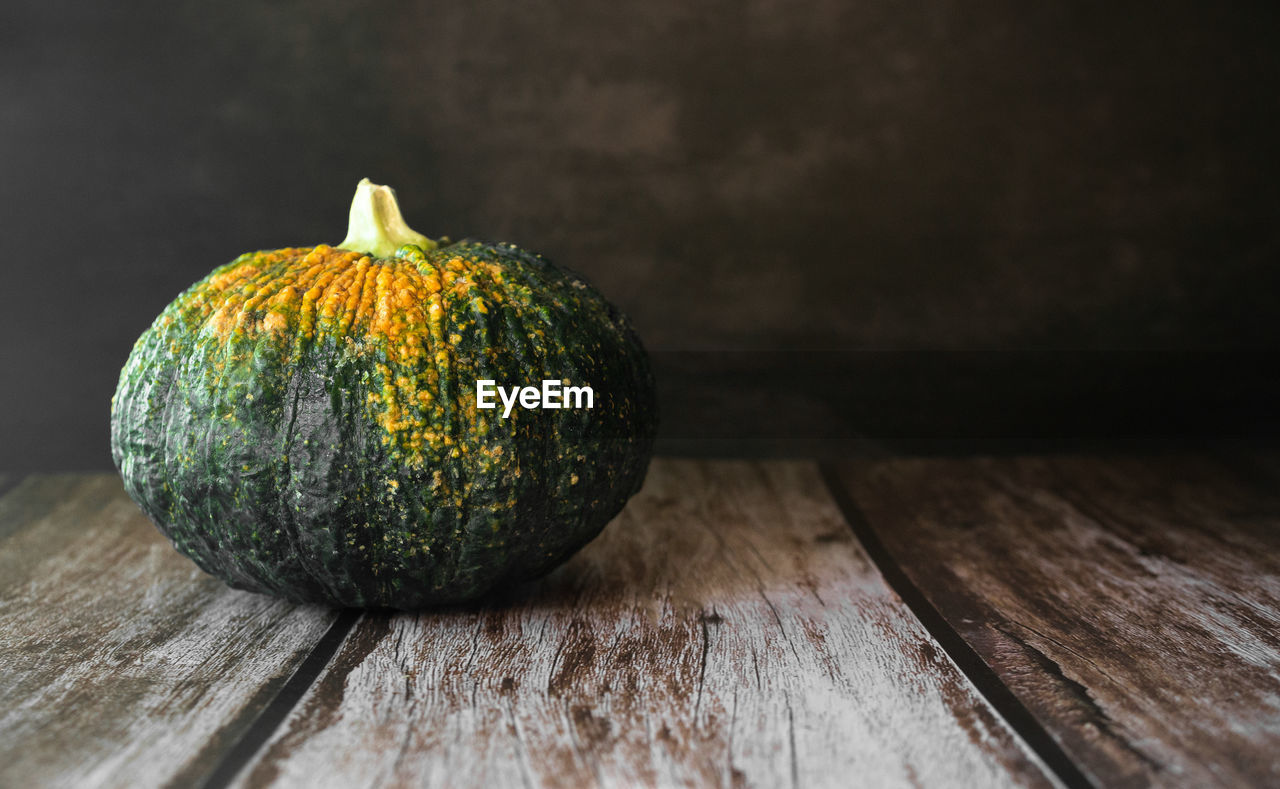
{"x": 303, "y": 421}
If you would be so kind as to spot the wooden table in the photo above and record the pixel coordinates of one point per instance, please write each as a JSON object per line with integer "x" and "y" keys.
{"x": 1106, "y": 619}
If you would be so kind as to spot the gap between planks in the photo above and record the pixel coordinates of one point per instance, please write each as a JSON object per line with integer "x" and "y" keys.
{"x": 984, "y": 679}
{"x": 1131, "y": 601}
{"x": 274, "y": 713}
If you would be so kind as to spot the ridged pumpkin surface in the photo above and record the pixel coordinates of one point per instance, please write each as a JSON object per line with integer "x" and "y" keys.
{"x": 303, "y": 422}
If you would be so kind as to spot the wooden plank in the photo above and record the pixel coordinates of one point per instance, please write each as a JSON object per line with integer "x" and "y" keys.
{"x": 1132, "y": 604}
{"x": 725, "y": 630}
{"x": 122, "y": 663}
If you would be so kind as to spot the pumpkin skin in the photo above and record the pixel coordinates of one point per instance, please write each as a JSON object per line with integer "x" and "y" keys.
{"x": 303, "y": 422}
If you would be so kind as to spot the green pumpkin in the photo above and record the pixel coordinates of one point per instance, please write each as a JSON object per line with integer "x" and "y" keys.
{"x": 304, "y": 422}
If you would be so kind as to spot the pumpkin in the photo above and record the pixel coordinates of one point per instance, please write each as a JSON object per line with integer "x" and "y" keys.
{"x": 304, "y": 421}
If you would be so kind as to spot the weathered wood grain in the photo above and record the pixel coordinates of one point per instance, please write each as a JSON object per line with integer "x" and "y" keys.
{"x": 1132, "y": 604}
{"x": 121, "y": 664}
{"x": 726, "y": 630}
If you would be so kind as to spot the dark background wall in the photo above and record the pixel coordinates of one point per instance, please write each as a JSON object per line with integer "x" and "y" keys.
{"x": 828, "y": 181}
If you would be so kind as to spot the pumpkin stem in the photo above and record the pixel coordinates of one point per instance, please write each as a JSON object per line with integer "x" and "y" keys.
{"x": 376, "y": 227}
